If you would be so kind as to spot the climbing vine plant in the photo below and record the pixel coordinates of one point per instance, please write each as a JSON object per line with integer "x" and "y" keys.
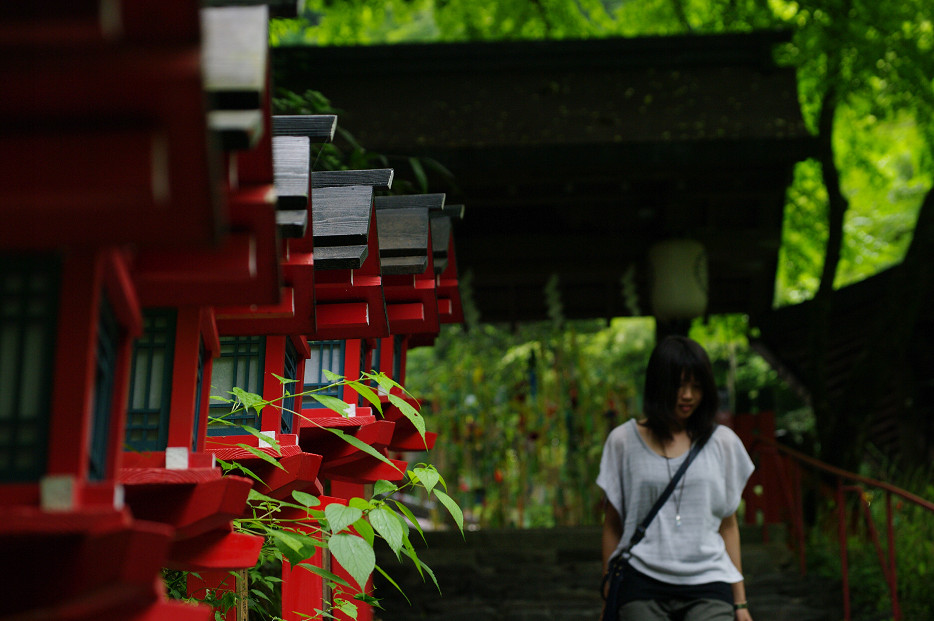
{"x": 298, "y": 528}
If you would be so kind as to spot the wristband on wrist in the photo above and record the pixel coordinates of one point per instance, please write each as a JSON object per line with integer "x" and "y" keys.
{"x": 740, "y": 606}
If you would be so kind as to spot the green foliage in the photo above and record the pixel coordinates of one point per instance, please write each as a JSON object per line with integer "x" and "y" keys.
{"x": 914, "y": 545}
{"x": 877, "y": 56}
{"x": 296, "y": 529}
{"x": 413, "y": 174}
{"x": 523, "y": 414}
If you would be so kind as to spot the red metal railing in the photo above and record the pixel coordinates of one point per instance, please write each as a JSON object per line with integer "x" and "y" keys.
{"x": 780, "y": 466}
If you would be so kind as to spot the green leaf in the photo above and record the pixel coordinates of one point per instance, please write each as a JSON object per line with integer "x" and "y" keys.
{"x": 412, "y": 519}
{"x": 422, "y": 567}
{"x": 296, "y": 547}
{"x": 260, "y": 453}
{"x": 364, "y": 529}
{"x": 340, "y": 517}
{"x": 305, "y": 499}
{"x": 250, "y": 400}
{"x": 346, "y": 607}
{"x": 262, "y": 437}
{"x": 428, "y": 477}
{"x": 354, "y": 555}
{"x": 318, "y": 571}
{"x": 386, "y": 382}
{"x": 363, "y": 446}
{"x": 332, "y": 403}
{"x": 386, "y": 522}
{"x": 359, "y": 503}
{"x": 255, "y": 496}
{"x": 410, "y": 413}
{"x": 452, "y": 507}
{"x": 366, "y": 598}
{"x": 229, "y": 467}
{"x": 419, "y": 171}
{"x": 393, "y": 583}
{"x": 384, "y": 488}
{"x": 284, "y": 380}
{"x": 367, "y": 393}
{"x": 332, "y": 376}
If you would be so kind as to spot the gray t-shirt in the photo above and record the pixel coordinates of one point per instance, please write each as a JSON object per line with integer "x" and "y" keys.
{"x": 633, "y": 476}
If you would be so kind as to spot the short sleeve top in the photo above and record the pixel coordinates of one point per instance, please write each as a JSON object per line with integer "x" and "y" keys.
{"x": 689, "y": 550}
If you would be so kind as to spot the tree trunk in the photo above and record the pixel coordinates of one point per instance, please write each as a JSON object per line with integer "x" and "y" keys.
{"x": 828, "y": 415}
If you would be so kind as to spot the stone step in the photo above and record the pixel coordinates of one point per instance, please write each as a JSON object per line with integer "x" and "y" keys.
{"x": 554, "y": 575}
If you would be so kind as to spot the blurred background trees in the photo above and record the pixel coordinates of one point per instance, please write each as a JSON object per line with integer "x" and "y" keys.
{"x": 523, "y": 410}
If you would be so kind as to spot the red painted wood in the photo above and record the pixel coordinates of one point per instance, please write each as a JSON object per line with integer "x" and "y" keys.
{"x": 219, "y": 549}
{"x": 300, "y": 473}
{"x": 209, "y": 331}
{"x": 80, "y": 23}
{"x": 352, "y": 369}
{"x": 156, "y": 459}
{"x": 190, "y": 507}
{"x": 341, "y": 318}
{"x": 256, "y": 165}
{"x": 347, "y": 490}
{"x": 184, "y": 397}
{"x": 408, "y": 289}
{"x": 303, "y": 591}
{"x": 352, "y": 286}
{"x": 405, "y": 437}
{"x": 78, "y": 542}
{"x": 404, "y": 344}
{"x": 73, "y": 379}
{"x": 449, "y": 288}
{"x": 295, "y": 314}
{"x": 225, "y": 447}
{"x": 271, "y": 419}
{"x": 366, "y": 470}
{"x": 159, "y": 189}
{"x": 242, "y": 269}
{"x": 406, "y": 313}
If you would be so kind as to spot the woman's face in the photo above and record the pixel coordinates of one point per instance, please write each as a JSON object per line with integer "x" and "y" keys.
{"x": 690, "y": 395}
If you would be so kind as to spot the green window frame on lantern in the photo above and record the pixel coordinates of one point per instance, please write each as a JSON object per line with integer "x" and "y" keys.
{"x": 108, "y": 342}
{"x": 29, "y": 303}
{"x": 325, "y": 356}
{"x": 241, "y": 364}
{"x": 290, "y": 371}
{"x": 148, "y": 408}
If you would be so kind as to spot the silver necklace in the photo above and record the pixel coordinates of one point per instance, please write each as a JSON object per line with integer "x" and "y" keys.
{"x": 680, "y": 492}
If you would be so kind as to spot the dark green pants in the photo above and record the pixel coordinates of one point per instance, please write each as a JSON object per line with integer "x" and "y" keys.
{"x": 676, "y": 610}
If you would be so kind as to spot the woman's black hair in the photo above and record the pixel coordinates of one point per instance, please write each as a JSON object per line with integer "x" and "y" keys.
{"x": 678, "y": 357}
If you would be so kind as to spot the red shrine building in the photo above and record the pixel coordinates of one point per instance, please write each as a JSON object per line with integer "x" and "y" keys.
{"x": 166, "y": 239}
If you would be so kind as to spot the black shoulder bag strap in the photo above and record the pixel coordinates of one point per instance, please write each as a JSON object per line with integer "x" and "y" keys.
{"x": 619, "y": 561}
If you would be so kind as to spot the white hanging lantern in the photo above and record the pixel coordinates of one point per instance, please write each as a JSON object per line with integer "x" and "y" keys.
{"x": 679, "y": 279}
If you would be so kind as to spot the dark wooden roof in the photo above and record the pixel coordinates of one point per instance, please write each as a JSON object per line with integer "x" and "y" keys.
{"x": 440, "y": 238}
{"x": 403, "y": 239}
{"x": 379, "y": 179}
{"x": 434, "y": 202}
{"x": 292, "y": 167}
{"x": 341, "y": 225}
{"x": 317, "y": 127}
{"x": 235, "y": 54}
{"x": 236, "y": 130}
{"x": 575, "y": 156}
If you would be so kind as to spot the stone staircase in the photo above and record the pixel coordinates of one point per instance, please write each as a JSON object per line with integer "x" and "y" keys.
{"x": 552, "y": 575}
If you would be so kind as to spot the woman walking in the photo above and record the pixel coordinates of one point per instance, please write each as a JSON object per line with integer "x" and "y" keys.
{"x": 686, "y": 565}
